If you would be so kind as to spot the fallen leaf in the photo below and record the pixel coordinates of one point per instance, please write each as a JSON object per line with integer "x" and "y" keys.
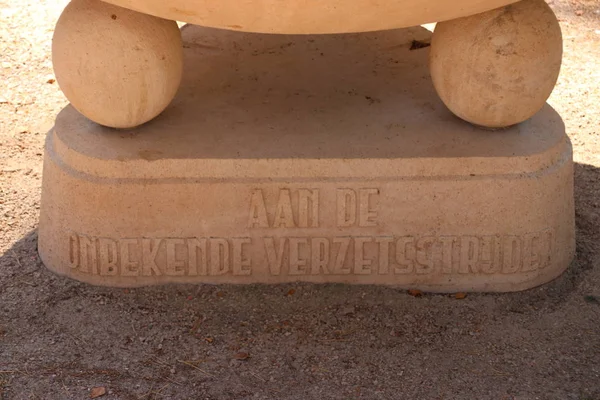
{"x": 460, "y": 295}
{"x": 209, "y": 339}
{"x": 97, "y": 392}
{"x": 241, "y": 356}
{"x": 291, "y": 292}
{"x": 220, "y": 294}
{"x": 51, "y": 81}
{"x": 415, "y": 293}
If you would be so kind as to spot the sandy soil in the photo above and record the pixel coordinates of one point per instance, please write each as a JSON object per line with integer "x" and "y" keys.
{"x": 60, "y": 339}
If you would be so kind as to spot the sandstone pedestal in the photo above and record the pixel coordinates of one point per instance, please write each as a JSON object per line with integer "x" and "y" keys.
{"x": 308, "y": 158}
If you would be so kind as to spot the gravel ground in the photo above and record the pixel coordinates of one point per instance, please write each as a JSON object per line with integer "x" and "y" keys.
{"x": 61, "y": 339}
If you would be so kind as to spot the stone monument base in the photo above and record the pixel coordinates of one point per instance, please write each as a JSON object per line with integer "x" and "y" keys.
{"x": 308, "y": 158}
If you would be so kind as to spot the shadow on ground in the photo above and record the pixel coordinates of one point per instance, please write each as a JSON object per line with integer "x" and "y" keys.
{"x": 59, "y": 338}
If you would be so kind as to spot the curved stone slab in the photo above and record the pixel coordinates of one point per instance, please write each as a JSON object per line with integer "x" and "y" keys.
{"x": 302, "y": 17}
{"x": 308, "y": 158}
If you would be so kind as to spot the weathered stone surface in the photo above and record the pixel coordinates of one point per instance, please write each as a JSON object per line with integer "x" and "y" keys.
{"x": 118, "y": 67}
{"x": 498, "y": 68}
{"x": 299, "y": 16}
{"x": 309, "y": 158}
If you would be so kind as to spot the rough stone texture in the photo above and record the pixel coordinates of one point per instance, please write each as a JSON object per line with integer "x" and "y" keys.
{"x": 310, "y": 158}
{"x": 497, "y": 68}
{"x": 118, "y": 67}
{"x": 298, "y": 16}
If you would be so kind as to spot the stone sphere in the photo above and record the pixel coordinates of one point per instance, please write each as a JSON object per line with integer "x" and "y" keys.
{"x": 497, "y": 68}
{"x": 118, "y": 67}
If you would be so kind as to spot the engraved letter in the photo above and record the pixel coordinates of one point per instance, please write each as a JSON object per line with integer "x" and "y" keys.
{"x": 469, "y": 255}
{"x": 319, "y": 256}
{"x": 531, "y": 252}
{"x": 274, "y": 256}
{"x": 174, "y": 266}
{"x": 129, "y": 267}
{"x": 108, "y": 257}
{"x": 362, "y": 266}
{"x": 384, "y": 253}
{"x": 149, "y": 251}
{"x": 424, "y": 255}
{"x": 283, "y": 215}
{"x": 338, "y": 266}
{"x": 367, "y": 214}
{"x": 74, "y": 251}
{"x": 219, "y": 256}
{"x": 511, "y": 255}
{"x": 258, "y": 211}
{"x": 405, "y": 255}
{"x": 346, "y": 207}
{"x": 308, "y": 200}
{"x": 545, "y": 254}
{"x": 197, "y": 247}
{"x": 87, "y": 252}
{"x": 296, "y": 262}
{"x": 241, "y": 264}
{"x": 447, "y": 253}
{"x": 489, "y": 262}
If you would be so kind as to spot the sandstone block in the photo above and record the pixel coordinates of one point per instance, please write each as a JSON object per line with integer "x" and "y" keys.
{"x": 308, "y": 158}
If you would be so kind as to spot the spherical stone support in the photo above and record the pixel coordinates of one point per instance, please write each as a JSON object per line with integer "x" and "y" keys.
{"x": 119, "y": 68}
{"x": 497, "y": 68}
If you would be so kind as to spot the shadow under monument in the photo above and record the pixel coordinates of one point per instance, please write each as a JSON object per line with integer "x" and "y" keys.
{"x": 292, "y": 340}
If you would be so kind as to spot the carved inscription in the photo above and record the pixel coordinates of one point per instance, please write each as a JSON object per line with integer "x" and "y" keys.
{"x": 160, "y": 256}
{"x": 302, "y": 255}
{"x": 269, "y": 252}
{"x": 301, "y": 212}
{"x": 299, "y": 208}
{"x": 356, "y": 207}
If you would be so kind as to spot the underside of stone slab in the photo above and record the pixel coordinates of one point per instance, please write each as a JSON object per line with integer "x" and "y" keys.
{"x": 301, "y": 17}
{"x": 308, "y": 158}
